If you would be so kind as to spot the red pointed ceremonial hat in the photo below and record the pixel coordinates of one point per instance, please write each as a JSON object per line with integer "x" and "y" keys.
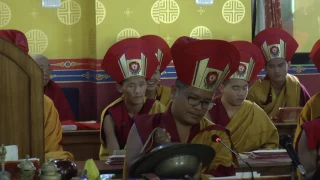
{"x": 251, "y": 61}
{"x": 16, "y": 37}
{"x": 130, "y": 57}
{"x": 276, "y": 43}
{"x": 204, "y": 64}
{"x": 181, "y": 42}
{"x": 162, "y": 50}
{"x": 315, "y": 54}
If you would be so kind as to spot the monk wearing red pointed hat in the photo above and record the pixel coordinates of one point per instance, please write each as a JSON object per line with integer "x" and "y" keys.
{"x": 278, "y": 88}
{"x": 311, "y": 110}
{"x": 244, "y": 119}
{"x": 130, "y": 63}
{"x": 201, "y": 66}
{"x": 154, "y": 89}
{"x": 52, "y": 126}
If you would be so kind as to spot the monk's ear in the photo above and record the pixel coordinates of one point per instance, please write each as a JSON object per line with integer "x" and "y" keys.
{"x": 174, "y": 90}
{"x": 119, "y": 87}
{"x": 289, "y": 64}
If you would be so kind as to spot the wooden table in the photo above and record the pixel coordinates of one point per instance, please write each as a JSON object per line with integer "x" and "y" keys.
{"x": 266, "y": 167}
{"x": 83, "y": 144}
{"x": 102, "y": 166}
{"x": 286, "y": 128}
{"x": 280, "y": 177}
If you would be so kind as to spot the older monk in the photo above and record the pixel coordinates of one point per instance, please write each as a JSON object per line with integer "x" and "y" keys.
{"x": 52, "y": 90}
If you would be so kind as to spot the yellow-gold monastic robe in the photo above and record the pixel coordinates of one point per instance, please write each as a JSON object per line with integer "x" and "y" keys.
{"x": 309, "y": 112}
{"x": 250, "y": 127}
{"x": 53, "y": 133}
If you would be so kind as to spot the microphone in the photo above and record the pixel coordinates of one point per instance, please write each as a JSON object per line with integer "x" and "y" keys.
{"x": 286, "y": 142}
{"x": 216, "y": 138}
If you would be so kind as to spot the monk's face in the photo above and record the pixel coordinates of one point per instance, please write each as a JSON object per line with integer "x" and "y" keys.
{"x": 277, "y": 69}
{"x": 133, "y": 90}
{"x": 154, "y": 81}
{"x": 234, "y": 91}
{"x": 190, "y": 104}
{"x": 44, "y": 64}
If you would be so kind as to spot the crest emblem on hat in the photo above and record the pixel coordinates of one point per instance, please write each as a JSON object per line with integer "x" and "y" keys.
{"x": 274, "y": 50}
{"x": 241, "y": 69}
{"x": 211, "y": 79}
{"x": 134, "y": 67}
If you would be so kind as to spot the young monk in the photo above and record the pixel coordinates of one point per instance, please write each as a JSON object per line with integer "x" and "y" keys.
{"x": 309, "y": 144}
{"x": 201, "y": 65}
{"x": 129, "y": 62}
{"x": 311, "y": 110}
{"x": 52, "y": 126}
{"x": 154, "y": 89}
{"x": 278, "y": 88}
{"x": 52, "y": 90}
{"x": 250, "y": 127}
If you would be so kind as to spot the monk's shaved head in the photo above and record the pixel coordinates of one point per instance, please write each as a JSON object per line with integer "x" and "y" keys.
{"x": 44, "y": 64}
{"x": 39, "y": 59}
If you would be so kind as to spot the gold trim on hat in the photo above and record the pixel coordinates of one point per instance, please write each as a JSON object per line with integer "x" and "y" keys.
{"x": 208, "y": 78}
{"x": 244, "y": 70}
{"x": 269, "y": 55}
{"x": 159, "y": 55}
{"x": 133, "y": 67}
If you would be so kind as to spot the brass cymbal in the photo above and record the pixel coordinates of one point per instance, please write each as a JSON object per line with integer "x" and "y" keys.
{"x": 173, "y": 160}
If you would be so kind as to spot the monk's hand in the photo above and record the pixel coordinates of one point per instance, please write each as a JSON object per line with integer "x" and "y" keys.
{"x": 161, "y": 136}
{"x": 197, "y": 176}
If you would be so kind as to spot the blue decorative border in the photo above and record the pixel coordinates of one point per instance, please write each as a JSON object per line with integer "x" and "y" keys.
{"x": 170, "y": 73}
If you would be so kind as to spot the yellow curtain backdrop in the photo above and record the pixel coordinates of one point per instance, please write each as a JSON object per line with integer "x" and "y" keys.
{"x": 170, "y": 19}
{"x": 86, "y": 28}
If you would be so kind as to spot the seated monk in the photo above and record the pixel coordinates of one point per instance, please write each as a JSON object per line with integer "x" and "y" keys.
{"x": 52, "y": 90}
{"x": 154, "y": 89}
{"x": 250, "y": 127}
{"x": 129, "y": 62}
{"x": 308, "y": 145}
{"x": 311, "y": 110}
{"x": 201, "y": 65}
{"x": 278, "y": 88}
{"x": 52, "y": 126}
{"x": 53, "y": 133}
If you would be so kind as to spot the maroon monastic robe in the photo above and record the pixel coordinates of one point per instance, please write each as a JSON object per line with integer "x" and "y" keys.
{"x": 54, "y": 92}
{"x": 311, "y": 129}
{"x": 123, "y": 121}
{"x": 200, "y": 133}
{"x": 218, "y": 113}
{"x": 304, "y": 94}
